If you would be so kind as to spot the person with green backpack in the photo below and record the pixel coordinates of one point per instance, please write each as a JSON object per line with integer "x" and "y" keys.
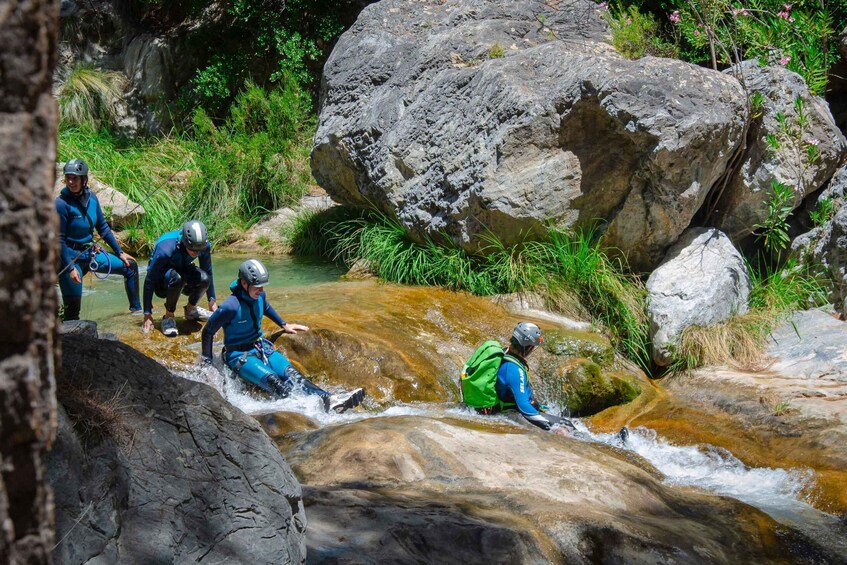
{"x": 496, "y": 379}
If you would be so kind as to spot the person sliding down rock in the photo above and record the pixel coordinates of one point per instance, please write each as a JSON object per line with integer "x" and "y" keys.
{"x": 249, "y": 354}
{"x": 513, "y": 380}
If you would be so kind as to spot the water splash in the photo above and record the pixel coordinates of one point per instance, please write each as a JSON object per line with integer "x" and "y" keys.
{"x": 777, "y": 492}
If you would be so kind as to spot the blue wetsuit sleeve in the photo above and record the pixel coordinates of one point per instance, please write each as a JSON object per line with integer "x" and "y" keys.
{"x": 219, "y": 318}
{"x": 66, "y": 253}
{"x": 517, "y": 381}
{"x": 206, "y": 265}
{"x": 103, "y": 228}
{"x": 271, "y": 313}
{"x": 159, "y": 261}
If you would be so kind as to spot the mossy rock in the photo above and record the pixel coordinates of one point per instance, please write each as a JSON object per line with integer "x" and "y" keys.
{"x": 585, "y": 389}
{"x": 579, "y": 344}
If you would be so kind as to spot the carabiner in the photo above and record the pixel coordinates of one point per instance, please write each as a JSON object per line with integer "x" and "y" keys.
{"x": 92, "y": 262}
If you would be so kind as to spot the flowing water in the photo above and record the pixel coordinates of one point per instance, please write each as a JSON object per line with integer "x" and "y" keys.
{"x": 302, "y": 286}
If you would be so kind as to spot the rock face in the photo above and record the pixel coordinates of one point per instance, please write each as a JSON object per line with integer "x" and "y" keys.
{"x": 487, "y": 492}
{"x": 28, "y": 336}
{"x": 825, "y": 246}
{"x": 119, "y": 210}
{"x": 463, "y": 117}
{"x": 702, "y": 281}
{"x": 150, "y": 468}
{"x": 786, "y": 158}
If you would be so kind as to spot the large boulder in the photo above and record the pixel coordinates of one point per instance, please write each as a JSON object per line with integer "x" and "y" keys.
{"x": 29, "y": 352}
{"x": 151, "y": 468}
{"x": 702, "y": 281}
{"x": 465, "y": 117}
{"x": 796, "y": 130}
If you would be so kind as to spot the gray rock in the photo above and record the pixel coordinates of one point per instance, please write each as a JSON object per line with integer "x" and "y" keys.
{"x": 744, "y": 201}
{"x": 84, "y": 328}
{"x": 813, "y": 346}
{"x": 702, "y": 281}
{"x": 420, "y": 119}
{"x": 824, "y": 247}
{"x": 150, "y": 468}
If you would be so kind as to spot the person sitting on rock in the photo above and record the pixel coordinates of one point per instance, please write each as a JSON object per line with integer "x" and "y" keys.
{"x": 249, "y": 354}
{"x": 79, "y": 215}
{"x": 512, "y": 386}
{"x": 172, "y": 271}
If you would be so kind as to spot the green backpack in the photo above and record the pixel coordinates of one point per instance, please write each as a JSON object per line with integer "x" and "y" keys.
{"x": 479, "y": 375}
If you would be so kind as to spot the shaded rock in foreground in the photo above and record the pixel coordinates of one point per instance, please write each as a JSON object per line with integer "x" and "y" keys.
{"x": 150, "y": 468}
{"x": 565, "y": 500}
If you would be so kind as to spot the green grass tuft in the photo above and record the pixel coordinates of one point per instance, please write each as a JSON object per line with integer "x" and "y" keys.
{"x": 88, "y": 96}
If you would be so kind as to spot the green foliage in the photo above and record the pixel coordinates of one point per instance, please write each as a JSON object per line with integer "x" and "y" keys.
{"x": 266, "y": 42}
{"x": 823, "y": 213}
{"x": 228, "y": 176}
{"x": 635, "y": 34}
{"x": 88, "y": 96}
{"x": 496, "y": 51}
{"x": 773, "y": 230}
{"x": 253, "y": 163}
{"x": 799, "y": 37}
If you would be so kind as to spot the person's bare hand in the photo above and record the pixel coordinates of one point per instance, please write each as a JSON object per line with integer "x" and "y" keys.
{"x": 147, "y": 324}
{"x": 75, "y": 276}
{"x": 294, "y": 328}
{"x": 126, "y": 258}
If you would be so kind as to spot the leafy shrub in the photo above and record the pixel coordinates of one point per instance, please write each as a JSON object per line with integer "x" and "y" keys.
{"x": 635, "y": 34}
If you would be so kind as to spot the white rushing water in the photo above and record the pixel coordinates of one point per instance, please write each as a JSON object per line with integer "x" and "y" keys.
{"x": 778, "y": 492}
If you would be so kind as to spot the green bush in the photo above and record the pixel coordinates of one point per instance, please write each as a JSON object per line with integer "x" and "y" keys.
{"x": 253, "y": 163}
{"x": 635, "y": 34}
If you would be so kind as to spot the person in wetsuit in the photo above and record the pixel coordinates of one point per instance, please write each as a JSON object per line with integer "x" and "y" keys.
{"x": 249, "y": 354}
{"x": 80, "y": 214}
{"x": 512, "y": 386}
{"x": 171, "y": 272}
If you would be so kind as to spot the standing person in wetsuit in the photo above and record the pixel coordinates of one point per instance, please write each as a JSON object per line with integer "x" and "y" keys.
{"x": 171, "y": 272}
{"x": 249, "y": 354}
{"x": 80, "y": 214}
{"x": 513, "y": 388}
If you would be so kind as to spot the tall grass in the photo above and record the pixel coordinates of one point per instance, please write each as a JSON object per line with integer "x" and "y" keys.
{"x": 228, "y": 175}
{"x": 142, "y": 170}
{"x": 89, "y": 97}
{"x": 253, "y": 163}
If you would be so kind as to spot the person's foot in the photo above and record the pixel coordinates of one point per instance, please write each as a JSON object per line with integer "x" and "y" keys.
{"x": 169, "y": 327}
{"x": 623, "y": 435}
{"x": 339, "y": 403}
{"x": 195, "y": 313}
